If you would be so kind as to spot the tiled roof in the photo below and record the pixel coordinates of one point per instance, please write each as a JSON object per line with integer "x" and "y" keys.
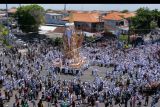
{"x": 84, "y": 17}
{"x": 112, "y": 16}
{"x": 12, "y": 10}
{"x": 118, "y": 15}
{"x": 127, "y": 15}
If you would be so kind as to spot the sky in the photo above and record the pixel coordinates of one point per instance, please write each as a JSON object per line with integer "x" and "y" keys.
{"x": 105, "y": 7}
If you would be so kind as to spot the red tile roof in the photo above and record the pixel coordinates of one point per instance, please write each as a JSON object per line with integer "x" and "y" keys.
{"x": 12, "y": 10}
{"x": 118, "y": 15}
{"x": 112, "y": 16}
{"x": 84, "y": 17}
{"x": 127, "y": 15}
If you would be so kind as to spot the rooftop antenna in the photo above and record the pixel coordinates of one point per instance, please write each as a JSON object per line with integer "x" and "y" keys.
{"x": 7, "y": 15}
{"x": 65, "y": 10}
{"x": 64, "y": 7}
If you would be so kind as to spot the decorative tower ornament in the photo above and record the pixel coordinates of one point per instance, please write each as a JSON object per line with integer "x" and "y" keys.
{"x": 72, "y": 41}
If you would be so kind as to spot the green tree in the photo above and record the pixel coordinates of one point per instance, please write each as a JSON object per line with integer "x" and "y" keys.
{"x": 156, "y": 16}
{"x": 89, "y": 38}
{"x": 58, "y": 42}
{"x": 3, "y": 31}
{"x": 145, "y": 20}
{"x": 153, "y": 25}
{"x": 123, "y": 38}
{"x": 48, "y": 10}
{"x": 30, "y": 17}
{"x": 124, "y": 11}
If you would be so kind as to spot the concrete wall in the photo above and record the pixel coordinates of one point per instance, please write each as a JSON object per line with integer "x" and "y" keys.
{"x": 89, "y": 27}
{"x": 83, "y": 25}
{"x": 113, "y": 23}
{"x": 110, "y": 22}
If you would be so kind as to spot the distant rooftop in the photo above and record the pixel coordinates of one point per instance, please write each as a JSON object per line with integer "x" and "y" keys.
{"x": 1, "y": 12}
{"x": 54, "y": 14}
{"x": 84, "y": 17}
{"x": 12, "y": 10}
{"x": 119, "y": 15}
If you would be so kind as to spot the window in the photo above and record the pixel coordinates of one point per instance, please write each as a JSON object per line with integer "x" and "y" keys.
{"x": 57, "y": 17}
{"x": 53, "y": 17}
{"x": 78, "y": 26}
{"x": 121, "y": 23}
{"x": 117, "y": 23}
{"x": 94, "y": 25}
{"x": 86, "y": 25}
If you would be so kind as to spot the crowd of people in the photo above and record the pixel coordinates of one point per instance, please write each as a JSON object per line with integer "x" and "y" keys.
{"x": 135, "y": 74}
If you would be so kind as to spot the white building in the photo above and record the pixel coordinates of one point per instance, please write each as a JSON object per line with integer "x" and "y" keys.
{"x": 54, "y": 18}
{"x": 117, "y": 22}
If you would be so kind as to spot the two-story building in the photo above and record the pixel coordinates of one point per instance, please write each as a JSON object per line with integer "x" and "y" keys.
{"x": 54, "y": 18}
{"x": 89, "y": 22}
{"x": 117, "y": 22}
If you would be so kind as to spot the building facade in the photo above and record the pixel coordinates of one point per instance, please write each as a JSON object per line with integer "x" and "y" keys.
{"x": 54, "y": 18}
{"x": 117, "y": 23}
{"x": 88, "y": 22}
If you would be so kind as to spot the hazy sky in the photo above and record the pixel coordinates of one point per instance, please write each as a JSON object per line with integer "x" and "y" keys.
{"x": 130, "y": 7}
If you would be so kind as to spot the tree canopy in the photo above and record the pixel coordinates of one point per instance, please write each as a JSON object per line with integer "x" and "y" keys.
{"x": 145, "y": 20}
{"x": 124, "y": 11}
{"x": 3, "y": 31}
{"x": 30, "y": 17}
{"x": 58, "y": 41}
{"x": 48, "y": 10}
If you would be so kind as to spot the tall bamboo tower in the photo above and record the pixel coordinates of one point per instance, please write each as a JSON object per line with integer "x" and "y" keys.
{"x": 72, "y": 41}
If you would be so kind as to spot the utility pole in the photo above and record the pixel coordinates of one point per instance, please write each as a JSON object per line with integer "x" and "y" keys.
{"x": 7, "y": 15}
{"x": 64, "y": 7}
{"x": 18, "y": 19}
{"x": 7, "y": 38}
{"x": 65, "y": 10}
